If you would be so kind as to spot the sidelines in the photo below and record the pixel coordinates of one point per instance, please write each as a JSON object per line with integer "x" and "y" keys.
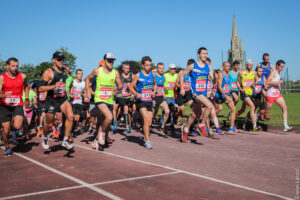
{"x": 81, "y": 186}
{"x": 98, "y": 190}
{"x": 189, "y": 173}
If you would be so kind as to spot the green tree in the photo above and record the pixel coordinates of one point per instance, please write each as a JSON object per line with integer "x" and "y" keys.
{"x": 135, "y": 66}
{"x": 41, "y": 68}
{"x": 70, "y": 58}
{"x": 29, "y": 70}
{"x": 2, "y": 65}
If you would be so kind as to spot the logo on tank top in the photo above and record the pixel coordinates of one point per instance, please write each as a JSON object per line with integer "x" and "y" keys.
{"x": 199, "y": 71}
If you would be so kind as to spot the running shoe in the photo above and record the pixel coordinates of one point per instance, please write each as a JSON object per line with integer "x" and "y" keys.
{"x": 210, "y": 132}
{"x": 55, "y": 133}
{"x": 70, "y": 139}
{"x": 164, "y": 129}
{"x": 14, "y": 138}
{"x": 219, "y": 131}
{"x": 231, "y": 130}
{"x": 102, "y": 138}
{"x": 267, "y": 117}
{"x": 90, "y": 130}
{"x": 100, "y": 148}
{"x": 40, "y": 131}
{"x": 128, "y": 129}
{"x": 287, "y": 129}
{"x": 95, "y": 144}
{"x": 108, "y": 140}
{"x": 184, "y": 135}
{"x": 148, "y": 145}
{"x": 261, "y": 118}
{"x": 193, "y": 132}
{"x": 255, "y": 129}
{"x": 202, "y": 130}
{"x": 8, "y": 152}
{"x": 115, "y": 126}
{"x": 45, "y": 143}
{"x": 67, "y": 144}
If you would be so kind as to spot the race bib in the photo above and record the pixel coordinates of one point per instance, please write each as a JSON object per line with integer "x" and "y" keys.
{"x": 105, "y": 93}
{"x": 86, "y": 100}
{"x": 209, "y": 86}
{"x": 258, "y": 89}
{"x": 200, "y": 85}
{"x": 12, "y": 100}
{"x": 170, "y": 86}
{"x": 276, "y": 91}
{"x": 226, "y": 88}
{"x": 42, "y": 96}
{"x": 248, "y": 83}
{"x": 77, "y": 94}
{"x": 60, "y": 91}
{"x": 126, "y": 92}
{"x": 146, "y": 95}
{"x": 234, "y": 85}
{"x": 187, "y": 86}
{"x": 160, "y": 91}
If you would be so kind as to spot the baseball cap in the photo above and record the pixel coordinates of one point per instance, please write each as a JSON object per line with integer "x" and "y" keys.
{"x": 109, "y": 56}
{"x": 101, "y": 62}
{"x": 58, "y": 55}
{"x": 250, "y": 61}
{"x": 172, "y": 66}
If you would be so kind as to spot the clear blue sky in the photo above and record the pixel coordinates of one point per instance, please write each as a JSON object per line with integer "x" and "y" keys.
{"x": 167, "y": 31}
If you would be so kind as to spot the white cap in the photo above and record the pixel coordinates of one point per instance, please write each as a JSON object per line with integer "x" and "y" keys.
{"x": 109, "y": 56}
{"x": 172, "y": 66}
{"x": 249, "y": 61}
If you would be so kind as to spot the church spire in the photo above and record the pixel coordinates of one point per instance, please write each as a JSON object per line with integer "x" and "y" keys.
{"x": 234, "y": 29}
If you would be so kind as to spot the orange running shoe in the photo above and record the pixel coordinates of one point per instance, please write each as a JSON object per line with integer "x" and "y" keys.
{"x": 184, "y": 134}
{"x": 202, "y": 130}
{"x": 55, "y": 133}
{"x": 40, "y": 131}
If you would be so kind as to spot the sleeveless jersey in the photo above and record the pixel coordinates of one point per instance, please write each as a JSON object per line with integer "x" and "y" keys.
{"x": 210, "y": 87}
{"x": 125, "y": 92}
{"x": 247, "y": 81}
{"x": 259, "y": 87}
{"x": 170, "y": 81}
{"x": 145, "y": 86}
{"x": 160, "y": 81}
{"x": 105, "y": 86}
{"x": 274, "y": 90}
{"x": 233, "y": 80}
{"x": 199, "y": 77}
{"x": 225, "y": 86}
{"x": 59, "y": 92}
{"x": 78, "y": 88}
{"x": 266, "y": 70}
{"x": 14, "y": 85}
{"x": 187, "y": 83}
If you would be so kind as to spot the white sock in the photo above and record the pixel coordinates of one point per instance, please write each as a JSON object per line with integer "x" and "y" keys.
{"x": 65, "y": 138}
{"x": 285, "y": 124}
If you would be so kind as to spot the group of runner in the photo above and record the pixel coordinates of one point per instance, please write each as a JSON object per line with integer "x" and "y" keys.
{"x": 68, "y": 106}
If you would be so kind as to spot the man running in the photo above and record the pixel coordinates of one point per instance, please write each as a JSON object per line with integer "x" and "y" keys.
{"x": 233, "y": 76}
{"x": 104, "y": 98}
{"x": 159, "y": 99}
{"x": 143, "y": 87}
{"x": 273, "y": 93}
{"x": 57, "y": 100}
{"x": 11, "y": 90}
{"x": 246, "y": 84}
{"x": 199, "y": 73}
{"x": 124, "y": 97}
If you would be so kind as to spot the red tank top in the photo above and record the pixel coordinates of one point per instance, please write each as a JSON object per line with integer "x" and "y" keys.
{"x": 14, "y": 85}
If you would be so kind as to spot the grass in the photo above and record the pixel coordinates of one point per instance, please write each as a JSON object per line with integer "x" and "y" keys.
{"x": 293, "y": 104}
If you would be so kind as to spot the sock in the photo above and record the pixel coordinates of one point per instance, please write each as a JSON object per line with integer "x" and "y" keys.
{"x": 201, "y": 124}
{"x": 186, "y": 129}
{"x": 65, "y": 138}
{"x": 285, "y": 124}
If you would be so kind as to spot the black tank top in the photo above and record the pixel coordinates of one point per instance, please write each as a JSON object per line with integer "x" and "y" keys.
{"x": 125, "y": 82}
{"x": 61, "y": 91}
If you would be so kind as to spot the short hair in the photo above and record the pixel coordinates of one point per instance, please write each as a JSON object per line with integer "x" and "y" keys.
{"x": 160, "y": 63}
{"x": 201, "y": 49}
{"x": 208, "y": 59}
{"x": 11, "y": 59}
{"x": 146, "y": 58}
{"x": 190, "y": 61}
{"x": 257, "y": 67}
{"x": 265, "y": 54}
{"x": 125, "y": 63}
{"x": 236, "y": 62}
{"x": 279, "y": 62}
{"x": 78, "y": 70}
{"x": 225, "y": 63}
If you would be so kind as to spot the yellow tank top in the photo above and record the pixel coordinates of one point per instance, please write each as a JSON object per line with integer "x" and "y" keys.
{"x": 105, "y": 86}
{"x": 170, "y": 81}
{"x": 247, "y": 81}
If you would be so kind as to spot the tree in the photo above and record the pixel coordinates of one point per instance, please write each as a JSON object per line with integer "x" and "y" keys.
{"x": 135, "y": 66}
{"x": 2, "y": 65}
{"x": 70, "y": 58}
{"x": 29, "y": 70}
{"x": 42, "y": 67}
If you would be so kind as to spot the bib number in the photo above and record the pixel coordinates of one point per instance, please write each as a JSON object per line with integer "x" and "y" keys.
{"x": 105, "y": 93}
{"x": 234, "y": 85}
{"x": 146, "y": 95}
{"x": 12, "y": 100}
{"x": 160, "y": 91}
{"x": 170, "y": 86}
{"x": 60, "y": 92}
{"x": 248, "y": 83}
{"x": 42, "y": 96}
{"x": 200, "y": 85}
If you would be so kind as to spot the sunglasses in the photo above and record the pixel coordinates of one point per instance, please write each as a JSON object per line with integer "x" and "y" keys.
{"x": 110, "y": 60}
{"x": 60, "y": 59}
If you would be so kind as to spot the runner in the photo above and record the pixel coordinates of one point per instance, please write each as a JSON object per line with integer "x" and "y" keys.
{"x": 233, "y": 75}
{"x": 143, "y": 87}
{"x": 246, "y": 84}
{"x": 169, "y": 87}
{"x": 104, "y": 98}
{"x": 76, "y": 92}
{"x": 124, "y": 97}
{"x": 11, "y": 87}
{"x": 57, "y": 100}
{"x": 199, "y": 73}
{"x": 159, "y": 99}
{"x": 223, "y": 94}
{"x": 273, "y": 93}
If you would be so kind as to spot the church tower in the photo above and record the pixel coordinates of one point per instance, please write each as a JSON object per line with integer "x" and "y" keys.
{"x": 236, "y": 52}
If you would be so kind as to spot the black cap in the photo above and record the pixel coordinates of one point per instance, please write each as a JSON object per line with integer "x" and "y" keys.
{"x": 58, "y": 55}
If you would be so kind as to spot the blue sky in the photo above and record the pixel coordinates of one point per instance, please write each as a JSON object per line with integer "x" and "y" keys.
{"x": 167, "y": 31}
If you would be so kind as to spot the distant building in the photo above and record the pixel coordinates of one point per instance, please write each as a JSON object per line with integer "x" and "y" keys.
{"x": 236, "y": 52}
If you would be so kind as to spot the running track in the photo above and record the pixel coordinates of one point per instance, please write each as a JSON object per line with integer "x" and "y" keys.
{"x": 241, "y": 166}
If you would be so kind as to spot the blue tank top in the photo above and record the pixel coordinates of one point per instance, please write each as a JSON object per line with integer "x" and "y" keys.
{"x": 199, "y": 77}
{"x": 225, "y": 86}
{"x": 266, "y": 70}
{"x": 160, "y": 81}
{"x": 233, "y": 80}
{"x": 259, "y": 87}
{"x": 145, "y": 86}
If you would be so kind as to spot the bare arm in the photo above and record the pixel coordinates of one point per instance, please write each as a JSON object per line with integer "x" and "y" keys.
{"x": 219, "y": 83}
{"x": 239, "y": 81}
{"x": 178, "y": 79}
{"x": 133, "y": 84}
{"x": 47, "y": 77}
{"x": 88, "y": 84}
{"x": 270, "y": 82}
{"x": 118, "y": 80}
{"x": 184, "y": 73}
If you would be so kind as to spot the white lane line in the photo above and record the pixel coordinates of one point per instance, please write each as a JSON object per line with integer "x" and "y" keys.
{"x": 81, "y": 182}
{"x": 189, "y": 173}
{"x": 81, "y": 186}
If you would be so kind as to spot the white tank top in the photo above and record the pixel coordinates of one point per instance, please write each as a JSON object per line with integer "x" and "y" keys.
{"x": 274, "y": 90}
{"x": 78, "y": 89}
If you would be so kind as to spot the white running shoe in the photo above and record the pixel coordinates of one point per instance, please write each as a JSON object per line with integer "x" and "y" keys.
{"x": 45, "y": 143}
{"x": 286, "y": 129}
{"x": 67, "y": 144}
{"x": 102, "y": 138}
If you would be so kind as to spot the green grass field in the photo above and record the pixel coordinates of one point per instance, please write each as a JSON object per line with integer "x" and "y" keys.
{"x": 293, "y": 104}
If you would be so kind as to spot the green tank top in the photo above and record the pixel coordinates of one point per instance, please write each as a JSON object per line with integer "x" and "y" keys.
{"x": 105, "y": 87}
{"x": 247, "y": 81}
{"x": 170, "y": 81}
{"x": 69, "y": 80}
